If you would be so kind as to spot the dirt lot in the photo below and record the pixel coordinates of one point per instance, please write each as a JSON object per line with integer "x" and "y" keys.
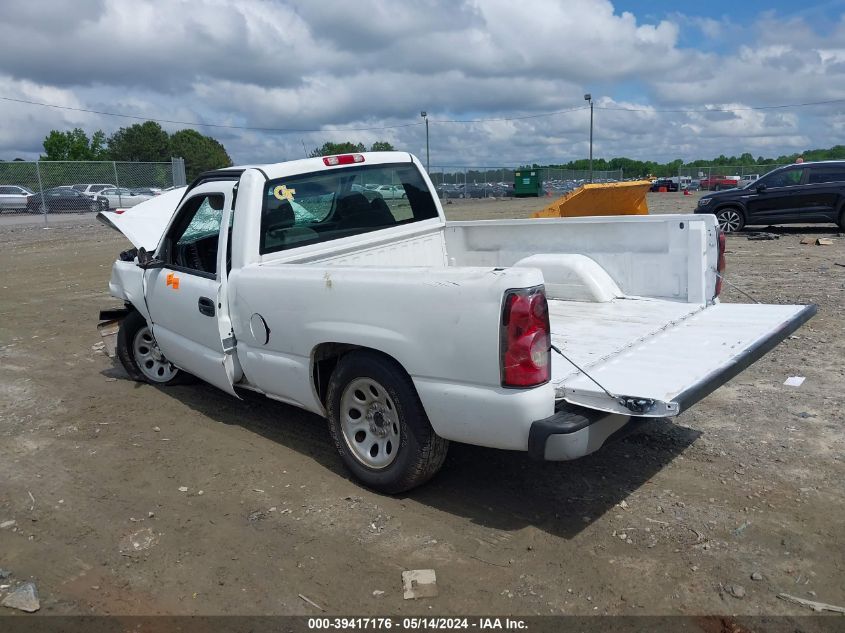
{"x": 748, "y": 482}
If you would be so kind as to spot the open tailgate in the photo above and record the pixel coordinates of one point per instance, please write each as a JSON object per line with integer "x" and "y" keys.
{"x": 672, "y": 361}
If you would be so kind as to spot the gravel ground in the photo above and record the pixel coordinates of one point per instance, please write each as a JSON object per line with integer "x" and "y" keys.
{"x": 130, "y": 499}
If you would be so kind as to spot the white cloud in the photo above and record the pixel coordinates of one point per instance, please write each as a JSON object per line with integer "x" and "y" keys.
{"x": 304, "y": 64}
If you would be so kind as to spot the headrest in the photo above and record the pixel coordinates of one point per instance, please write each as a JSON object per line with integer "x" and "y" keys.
{"x": 352, "y": 203}
{"x": 280, "y": 215}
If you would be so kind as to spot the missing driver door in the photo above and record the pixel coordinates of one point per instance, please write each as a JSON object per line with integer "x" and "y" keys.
{"x": 186, "y": 297}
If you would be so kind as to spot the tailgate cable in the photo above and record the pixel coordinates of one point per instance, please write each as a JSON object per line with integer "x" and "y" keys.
{"x": 735, "y": 287}
{"x": 571, "y": 362}
{"x": 635, "y": 405}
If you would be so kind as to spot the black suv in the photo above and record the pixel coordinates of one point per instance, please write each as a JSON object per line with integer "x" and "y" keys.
{"x": 665, "y": 183}
{"x": 800, "y": 193}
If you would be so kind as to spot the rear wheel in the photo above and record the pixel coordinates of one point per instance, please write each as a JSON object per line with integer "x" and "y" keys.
{"x": 379, "y": 426}
{"x": 730, "y": 219}
{"x": 140, "y": 355}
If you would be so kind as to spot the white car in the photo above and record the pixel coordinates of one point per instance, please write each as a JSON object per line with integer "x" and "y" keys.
{"x": 548, "y": 336}
{"x": 13, "y": 197}
{"x": 91, "y": 189}
{"x": 122, "y": 198}
{"x": 391, "y": 192}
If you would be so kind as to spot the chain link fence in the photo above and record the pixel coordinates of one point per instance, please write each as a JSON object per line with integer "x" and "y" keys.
{"x": 721, "y": 177}
{"x": 58, "y": 187}
{"x": 497, "y": 182}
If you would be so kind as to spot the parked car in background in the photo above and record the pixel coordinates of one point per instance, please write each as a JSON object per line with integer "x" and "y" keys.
{"x": 368, "y": 191}
{"x": 61, "y": 199}
{"x": 719, "y": 183}
{"x": 146, "y": 191}
{"x": 747, "y": 179}
{"x": 664, "y": 183}
{"x": 803, "y": 193}
{"x": 13, "y": 197}
{"x": 448, "y": 190}
{"x": 122, "y": 197}
{"x": 391, "y": 192}
{"x": 91, "y": 189}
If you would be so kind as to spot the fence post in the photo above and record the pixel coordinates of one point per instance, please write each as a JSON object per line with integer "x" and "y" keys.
{"x": 177, "y": 167}
{"x": 41, "y": 190}
{"x": 117, "y": 184}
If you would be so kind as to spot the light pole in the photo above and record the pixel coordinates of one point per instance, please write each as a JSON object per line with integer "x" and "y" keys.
{"x": 424, "y": 115}
{"x": 589, "y": 97}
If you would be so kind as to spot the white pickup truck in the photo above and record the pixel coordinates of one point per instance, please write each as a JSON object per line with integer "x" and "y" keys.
{"x": 406, "y": 331}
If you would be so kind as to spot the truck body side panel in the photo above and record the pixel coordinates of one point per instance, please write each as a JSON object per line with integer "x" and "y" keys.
{"x": 440, "y": 324}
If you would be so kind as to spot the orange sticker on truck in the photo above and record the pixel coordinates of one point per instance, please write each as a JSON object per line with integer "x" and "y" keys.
{"x": 172, "y": 280}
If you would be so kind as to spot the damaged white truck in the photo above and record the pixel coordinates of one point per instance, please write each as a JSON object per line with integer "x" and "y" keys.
{"x": 299, "y": 281}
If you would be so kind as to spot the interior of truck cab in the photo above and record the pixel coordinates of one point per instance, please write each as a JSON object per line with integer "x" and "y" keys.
{"x": 192, "y": 241}
{"x": 329, "y": 205}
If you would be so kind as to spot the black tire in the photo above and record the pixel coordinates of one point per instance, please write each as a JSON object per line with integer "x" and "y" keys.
{"x": 129, "y": 329}
{"x": 731, "y": 219}
{"x": 841, "y": 222}
{"x": 421, "y": 451}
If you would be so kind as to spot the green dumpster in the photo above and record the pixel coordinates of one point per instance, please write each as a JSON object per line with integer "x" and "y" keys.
{"x": 526, "y": 182}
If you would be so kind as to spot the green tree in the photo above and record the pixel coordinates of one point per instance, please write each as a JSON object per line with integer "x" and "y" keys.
{"x": 73, "y": 145}
{"x": 200, "y": 152}
{"x": 382, "y": 146}
{"x": 330, "y": 149}
{"x": 141, "y": 142}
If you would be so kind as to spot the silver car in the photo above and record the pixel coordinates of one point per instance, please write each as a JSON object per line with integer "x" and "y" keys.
{"x": 121, "y": 197}
{"x": 13, "y": 197}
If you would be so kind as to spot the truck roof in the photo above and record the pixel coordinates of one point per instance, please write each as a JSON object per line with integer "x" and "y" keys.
{"x": 298, "y": 166}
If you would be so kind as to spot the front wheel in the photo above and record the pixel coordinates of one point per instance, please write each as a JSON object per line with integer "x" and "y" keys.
{"x": 730, "y": 219}
{"x": 140, "y": 355}
{"x": 379, "y": 426}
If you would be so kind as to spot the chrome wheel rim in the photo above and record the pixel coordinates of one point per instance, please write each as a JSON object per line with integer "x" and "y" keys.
{"x": 729, "y": 221}
{"x": 151, "y": 361}
{"x": 369, "y": 423}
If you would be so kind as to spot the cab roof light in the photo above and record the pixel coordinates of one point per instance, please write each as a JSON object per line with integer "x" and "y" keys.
{"x": 342, "y": 159}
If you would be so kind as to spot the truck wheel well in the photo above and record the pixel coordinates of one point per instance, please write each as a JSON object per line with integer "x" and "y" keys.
{"x": 324, "y": 359}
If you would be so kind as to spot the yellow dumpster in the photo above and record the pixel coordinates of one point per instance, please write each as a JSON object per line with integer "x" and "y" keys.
{"x": 612, "y": 198}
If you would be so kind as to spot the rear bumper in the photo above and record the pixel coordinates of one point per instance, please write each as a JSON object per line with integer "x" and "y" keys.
{"x": 573, "y": 432}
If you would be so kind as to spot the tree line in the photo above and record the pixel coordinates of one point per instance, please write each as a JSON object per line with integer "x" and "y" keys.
{"x": 149, "y": 142}
{"x": 632, "y": 167}
{"x": 142, "y": 142}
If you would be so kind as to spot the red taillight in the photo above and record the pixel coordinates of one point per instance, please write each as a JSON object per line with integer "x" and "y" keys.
{"x": 720, "y": 266}
{"x": 342, "y": 159}
{"x": 525, "y": 339}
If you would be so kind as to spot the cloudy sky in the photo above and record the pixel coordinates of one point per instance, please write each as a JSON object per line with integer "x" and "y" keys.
{"x": 654, "y": 69}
